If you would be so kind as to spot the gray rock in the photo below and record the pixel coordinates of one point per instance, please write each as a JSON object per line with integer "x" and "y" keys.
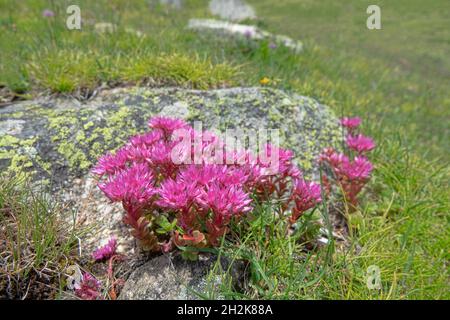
{"x": 56, "y": 140}
{"x": 243, "y": 32}
{"x": 172, "y": 278}
{"x": 177, "y": 4}
{"x": 234, "y": 10}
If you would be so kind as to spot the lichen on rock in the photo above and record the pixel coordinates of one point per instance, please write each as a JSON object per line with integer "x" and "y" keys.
{"x": 60, "y": 139}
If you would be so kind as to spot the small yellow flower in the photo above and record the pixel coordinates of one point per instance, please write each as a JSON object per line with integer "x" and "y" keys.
{"x": 264, "y": 81}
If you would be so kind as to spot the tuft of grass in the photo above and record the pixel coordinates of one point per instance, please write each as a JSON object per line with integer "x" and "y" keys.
{"x": 36, "y": 244}
{"x": 179, "y": 69}
{"x": 66, "y": 71}
{"x": 63, "y": 71}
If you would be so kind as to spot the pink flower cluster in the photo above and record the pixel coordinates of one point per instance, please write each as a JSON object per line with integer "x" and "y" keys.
{"x": 88, "y": 288}
{"x": 202, "y": 199}
{"x": 106, "y": 251}
{"x": 351, "y": 175}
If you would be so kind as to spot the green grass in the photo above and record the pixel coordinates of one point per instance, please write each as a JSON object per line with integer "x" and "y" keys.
{"x": 35, "y": 244}
{"x": 403, "y": 231}
{"x": 396, "y": 78}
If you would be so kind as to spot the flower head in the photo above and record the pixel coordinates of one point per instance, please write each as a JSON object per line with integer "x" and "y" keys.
{"x": 248, "y": 33}
{"x": 147, "y": 139}
{"x": 276, "y": 160}
{"x": 167, "y": 125}
{"x": 47, "y": 13}
{"x": 359, "y": 169}
{"x": 224, "y": 201}
{"x": 202, "y": 175}
{"x": 351, "y": 123}
{"x": 264, "y": 81}
{"x": 360, "y": 143}
{"x": 306, "y": 195}
{"x": 88, "y": 288}
{"x": 112, "y": 163}
{"x": 106, "y": 251}
{"x": 177, "y": 195}
{"x": 133, "y": 185}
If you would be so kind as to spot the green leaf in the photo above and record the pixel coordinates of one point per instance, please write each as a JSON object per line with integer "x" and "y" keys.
{"x": 165, "y": 225}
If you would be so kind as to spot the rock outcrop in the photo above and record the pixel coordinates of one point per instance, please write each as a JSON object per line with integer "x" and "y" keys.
{"x": 57, "y": 139}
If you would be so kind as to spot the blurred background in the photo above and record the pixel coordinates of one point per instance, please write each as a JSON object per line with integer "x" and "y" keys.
{"x": 398, "y": 75}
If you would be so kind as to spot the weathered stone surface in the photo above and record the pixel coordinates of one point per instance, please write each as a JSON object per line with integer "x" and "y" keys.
{"x": 234, "y": 10}
{"x": 244, "y": 32}
{"x": 172, "y": 278}
{"x": 57, "y": 140}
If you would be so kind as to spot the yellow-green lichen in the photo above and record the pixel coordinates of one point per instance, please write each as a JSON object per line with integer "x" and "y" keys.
{"x": 88, "y": 125}
{"x": 19, "y": 152}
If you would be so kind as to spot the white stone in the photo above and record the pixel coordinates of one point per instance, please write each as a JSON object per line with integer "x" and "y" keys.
{"x": 234, "y": 10}
{"x": 243, "y": 31}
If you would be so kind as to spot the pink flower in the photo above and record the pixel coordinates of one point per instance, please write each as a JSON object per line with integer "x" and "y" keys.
{"x": 248, "y": 33}
{"x": 160, "y": 153}
{"x": 177, "y": 195}
{"x": 351, "y": 123}
{"x": 112, "y": 163}
{"x": 89, "y": 288}
{"x": 147, "y": 139}
{"x": 167, "y": 125}
{"x": 236, "y": 176}
{"x": 359, "y": 169}
{"x": 360, "y": 143}
{"x": 204, "y": 198}
{"x": 132, "y": 186}
{"x": 106, "y": 251}
{"x": 306, "y": 195}
{"x": 201, "y": 175}
{"x": 139, "y": 154}
{"x": 224, "y": 202}
{"x": 276, "y": 160}
{"x": 351, "y": 176}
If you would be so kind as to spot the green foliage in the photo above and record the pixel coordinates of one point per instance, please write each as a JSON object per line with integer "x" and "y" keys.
{"x": 164, "y": 225}
{"x": 35, "y": 240}
{"x": 396, "y": 79}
